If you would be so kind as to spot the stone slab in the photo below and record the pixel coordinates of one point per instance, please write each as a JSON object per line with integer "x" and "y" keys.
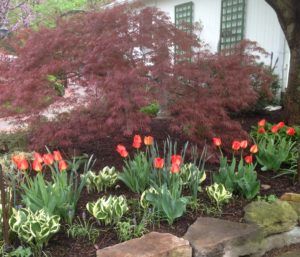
{"x": 212, "y": 237}
{"x": 290, "y": 254}
{"x": 153, "y": 244}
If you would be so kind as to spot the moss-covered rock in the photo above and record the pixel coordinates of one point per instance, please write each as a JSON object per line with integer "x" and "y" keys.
{"x": 272, "y": 218}
{"x": 293, "y": 199}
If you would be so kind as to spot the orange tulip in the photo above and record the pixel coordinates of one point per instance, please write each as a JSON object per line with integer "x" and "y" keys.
{"x": 57, "y": 156}
{"x": 290, "y": 131}
{"x": 137, "y": 141}
{"x": 261, "y": 131}
{"x": 236, "y": 145}
{"x": 48, "y": 159}
{"x": 121, "y": 149}
{"x": 217, "y": 141}
{"x": 22, "y": 164}
{"x": 159, "y": 163}
{"x": 38, "y": 157}
{"x": 62, "y": 165}
{"x": 248, "y": 159}
{"x": 254, "y": 149}
{"x": 261, "y": 123}
{"x": 175, "y": 168}
{"x": 148, "y": 140}
{"x": 244, "y": 144}
{"x": 36, "y": 165}
{"x": 176, "y": 159}
{"x": 17, "y": 158}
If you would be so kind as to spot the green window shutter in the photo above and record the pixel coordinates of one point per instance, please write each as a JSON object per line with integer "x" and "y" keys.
{"x": 232, "y": 23}
{"x": 184, "y": 13}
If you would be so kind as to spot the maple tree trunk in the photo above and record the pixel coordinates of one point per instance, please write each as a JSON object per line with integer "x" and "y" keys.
{"x": 4, "y": 209}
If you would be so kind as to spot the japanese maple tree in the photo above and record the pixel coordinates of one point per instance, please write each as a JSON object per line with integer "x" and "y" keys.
{"x": 124, "y": 56}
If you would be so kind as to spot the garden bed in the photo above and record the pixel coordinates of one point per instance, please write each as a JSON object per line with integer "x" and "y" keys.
{"x": 61, "y": 245}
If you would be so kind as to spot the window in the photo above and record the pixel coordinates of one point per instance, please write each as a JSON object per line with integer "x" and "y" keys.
{"x": 184, "y": 13}
{"x": 232, "y": 23}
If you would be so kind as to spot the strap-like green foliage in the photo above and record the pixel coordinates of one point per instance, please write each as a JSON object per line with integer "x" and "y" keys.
{"x": 218, "y": 193}
{"x": 136, "y": 173}
{"x": 273, "y": 153}
{"x": 239, "y": 179}
{"x": 34, "y": 227}
{"x": 108, "y": 210}
{"x": 105, "y": 179}
{"x": 1, "y": 221}
{"x": 170, "y": 206}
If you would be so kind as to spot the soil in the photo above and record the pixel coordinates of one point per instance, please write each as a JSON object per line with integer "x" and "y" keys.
{"x": 62, "y": 246}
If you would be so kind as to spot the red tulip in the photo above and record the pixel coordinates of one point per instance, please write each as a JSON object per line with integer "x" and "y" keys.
{"x": 175, "y": 168}
{"x": 254, "y": 149}
{"x": 36, "y": 165}
{"x": 121, "y": 149}
{"x": 290, "y": 131}
{"x": 159, "y": 163}
{"x": 274, "y": 129}
{"x": 261, "y": 130}
{"x": 244, "y": 144}
{"x": 261, "y": 123}
{"x": 280, "y": 125}
{"x": 22, "y": 164}
{"x": 48, "y": 159}
{"x": 176, "y": 159}
{"x": 62, "y": 165}
{"x": 217, "y": 141}
{"x": 248, "y": 159}
{"x": 38, "y": 157}
{"x": 236, "y": 145}
{"x": 57, "y": 156}
{"x": 137, "y": 141}
{"x": 148, "y": 140}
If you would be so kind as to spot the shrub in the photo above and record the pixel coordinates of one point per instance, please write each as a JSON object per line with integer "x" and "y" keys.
{"x": 125, "y": 68}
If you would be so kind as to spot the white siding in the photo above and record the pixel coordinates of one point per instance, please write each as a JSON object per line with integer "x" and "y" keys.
{"x": 261, "y": 25}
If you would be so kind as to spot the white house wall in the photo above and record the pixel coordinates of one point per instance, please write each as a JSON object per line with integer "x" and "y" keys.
{"x": 261, "y": 25}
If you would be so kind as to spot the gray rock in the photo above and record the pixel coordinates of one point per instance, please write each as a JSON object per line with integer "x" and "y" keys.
{"x": 273, "y": 218}
{"x": 212, "y": 237}
{"x": 290, "y": 254}
{"x": 151, "y": 245}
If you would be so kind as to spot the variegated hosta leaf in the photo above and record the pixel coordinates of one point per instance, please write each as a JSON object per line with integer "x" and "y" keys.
{"x": 108, "y": 210}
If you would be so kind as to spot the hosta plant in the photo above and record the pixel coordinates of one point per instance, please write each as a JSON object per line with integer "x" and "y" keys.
{"x": 108, "y": 210}
{"x": 106, "y": 178}
{"x": 35, "y": 228}
{"x": 219, "y": 194}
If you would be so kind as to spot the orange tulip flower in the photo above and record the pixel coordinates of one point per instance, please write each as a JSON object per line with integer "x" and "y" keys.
{"x": 248, "y": 159}
{"x": 236, "y": 145}
{"x": 280, "y": 125}
{"x": 137, "y": 141}
{"x": 22, "y": 164}
{"x": 176, "y": 159}
{"x": 261, "y": 123}
{"x": 148, "y": 140}
{"x": 36, "y": 165}
{"x": 244, "y": 144}
{"x": 48, "y": 159}
{"x": 254, "y": 149}
{"x": 121, "y": 149}
{"x": 175, "y": 168}
{"x": 159, "y": 163}
{"x": 290, "y": 131}
{"x": 62, "y": 165}
{"x": 217, "y": 141}
{"x": 57, "y": 156}
{"x": 261, "y": 130}
{"x": 38, "y": 157}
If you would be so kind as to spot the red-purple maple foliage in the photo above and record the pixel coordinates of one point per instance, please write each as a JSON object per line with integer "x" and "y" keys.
{"x": 125, "y": 57}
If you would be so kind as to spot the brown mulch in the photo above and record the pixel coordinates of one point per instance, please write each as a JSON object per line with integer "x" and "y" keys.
{"x": 62, "y": 246}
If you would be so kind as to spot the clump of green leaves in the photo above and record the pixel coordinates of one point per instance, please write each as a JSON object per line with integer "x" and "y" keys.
{"x": 106, "y": 178}
{"x": 218, "y": 194}
{"x": 170, "y": 204}
{"x": 239, "y": 179}
{"x": 108, "y": 210}
{"x": 34, "y": 228}
{"x": 136, "y": 173}
{"x": 151, "y": 109}
{"x": 83, "y": 228}
{"x": 267, "y": 198}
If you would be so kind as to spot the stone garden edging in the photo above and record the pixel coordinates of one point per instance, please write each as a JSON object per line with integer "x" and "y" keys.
{"x": 207, "y": 237}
